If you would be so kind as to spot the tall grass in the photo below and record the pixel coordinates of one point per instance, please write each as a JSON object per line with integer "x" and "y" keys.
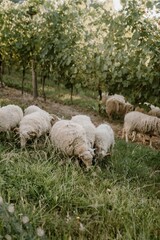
{"x": 118, "y": 199}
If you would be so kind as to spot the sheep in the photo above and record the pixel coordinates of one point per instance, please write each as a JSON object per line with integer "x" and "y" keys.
{"x": 137, "y": 122}
{"x": 104, "y": 140}
{"x": 155, "y": 111}
{"x": 89, "y": 127}
{"x": 10, "y": 116}
{"x": 70, "y": 138}
{"x": 117, "y": 106}
{"x": 34, "y": 125}
{"x": 31, "y": 109}
{"x": 106, "y": 96}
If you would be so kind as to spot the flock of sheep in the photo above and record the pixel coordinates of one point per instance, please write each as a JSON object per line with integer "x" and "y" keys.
{"x": 78, "y": 136}
{"x": 75, "y": 137}
{"x": 136, "y": 120}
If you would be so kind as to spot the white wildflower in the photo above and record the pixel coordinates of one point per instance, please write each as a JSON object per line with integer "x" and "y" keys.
{"x": 108, "y": 190}
{"x": 40, "y": 232}
{"x": 11, "y": 208}
{"x": 25, "y": 219}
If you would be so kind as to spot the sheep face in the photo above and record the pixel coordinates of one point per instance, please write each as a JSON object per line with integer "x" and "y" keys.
{"x": 129, "y": 107}
{"x": 26, "y": 137}
{"x": 87, "y": 158}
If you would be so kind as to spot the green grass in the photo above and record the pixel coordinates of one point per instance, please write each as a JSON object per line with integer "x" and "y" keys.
{"x": 117, "y": 199}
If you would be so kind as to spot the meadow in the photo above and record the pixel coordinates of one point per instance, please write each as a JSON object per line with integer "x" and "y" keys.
{"x": 46, "y": 195}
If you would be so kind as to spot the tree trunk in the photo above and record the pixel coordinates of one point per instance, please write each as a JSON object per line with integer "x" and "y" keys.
{"x": 43, "y": 85}
{"x": 71, "y": 93}
{"x": 23, "y": 77}
{"x": 100, "y": 98}
{"x": 34, "y": 79}
{"x": 1, "y": 75}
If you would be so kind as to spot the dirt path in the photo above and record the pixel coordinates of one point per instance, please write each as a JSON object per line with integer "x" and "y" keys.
{"x": 14, "y": 96}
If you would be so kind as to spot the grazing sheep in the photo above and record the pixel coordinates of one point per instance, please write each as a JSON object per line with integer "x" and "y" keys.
{"x": 10, "y": 116}
{"x": 89, "y": 127}
{"x": 70, "y": 138}
{"x": 31, "y": 109}
{"x": 34, "y": 125}
{"x": 137, "y": 122}
{"x": 104, "y": 140}
{"x": 117, "y": 106}
{"x": 155, "y": 111}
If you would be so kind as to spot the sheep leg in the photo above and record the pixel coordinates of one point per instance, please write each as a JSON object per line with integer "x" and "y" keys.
{"x": 123, "y": 133}
{"x": 126, "y": 136}
{"x": 150, "y": 142}
{"x": 133, "y": 136}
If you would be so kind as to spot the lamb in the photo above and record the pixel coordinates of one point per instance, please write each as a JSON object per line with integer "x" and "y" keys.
{"x": 104, "y": 140}
{"x": 117, "y": 106}
{"x": 89, "y": 127}
{"x": 10, "y": 116}
{"x": 137, "y": 122}
{"x": 70, "y": 138}
{"x": 34, "y": 125}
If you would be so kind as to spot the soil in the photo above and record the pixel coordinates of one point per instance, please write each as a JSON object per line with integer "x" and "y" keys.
{"x": 14, "y": 96}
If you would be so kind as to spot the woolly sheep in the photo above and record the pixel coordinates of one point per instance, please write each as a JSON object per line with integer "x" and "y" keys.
{"x": 104, "y": 140}
{"x": 31, "y": 109}
{"x": 106, "y": 96}
{"x": 70, "y": 138}
{"x": 137, "y": 122}
{"x": 34, "y": 125}
{"x": 10, "y": 116}
{"x": 155, "y": 111}
{"x": 119, "y": 107}
{"x": 89, "y": 127}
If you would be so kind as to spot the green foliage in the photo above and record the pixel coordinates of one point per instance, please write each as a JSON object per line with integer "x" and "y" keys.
{"x": 93, "y": 47}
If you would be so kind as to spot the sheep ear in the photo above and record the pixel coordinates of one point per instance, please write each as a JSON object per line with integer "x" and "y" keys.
{"x": 16, "y": 130}
{"x": 54, "y": 119}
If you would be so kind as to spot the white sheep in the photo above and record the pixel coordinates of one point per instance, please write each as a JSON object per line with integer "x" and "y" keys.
{"x": 89, "y": 127}
{"x": 34, "y": 125}
{"x": 70, "y": 138}
{"x": 104, "y": 140}
{"x": 155, "y": 111}
{"x": 31, "y": 109}
{"x": 10, "y": 116}
{"x": 106, "y": 96}
{"x": 117, "y": 106}
{"x": 137, "y": 122}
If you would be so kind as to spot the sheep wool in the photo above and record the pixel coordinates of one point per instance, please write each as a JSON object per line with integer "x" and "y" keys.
{"x": 70, "y": 138}
{"x": 137, "y": 122}
{"x": 31, "y": 109}
{"x": 155, "y": 111}
{"x": 89, "y": 127}
{"x": 10, "y": 116}
{"x": 117, "y": 106}
{"x": 104, "y": 140}
{"x": 34, "y": 125}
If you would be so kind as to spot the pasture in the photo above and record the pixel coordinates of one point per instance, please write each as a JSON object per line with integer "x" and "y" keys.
{"x": 46, "y": 195}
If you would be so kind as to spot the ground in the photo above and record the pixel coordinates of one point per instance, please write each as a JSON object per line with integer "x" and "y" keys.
{"x": 14, "y": 96}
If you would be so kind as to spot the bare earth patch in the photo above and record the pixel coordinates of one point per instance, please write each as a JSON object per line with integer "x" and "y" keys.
{"x": 14, "y": 96}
